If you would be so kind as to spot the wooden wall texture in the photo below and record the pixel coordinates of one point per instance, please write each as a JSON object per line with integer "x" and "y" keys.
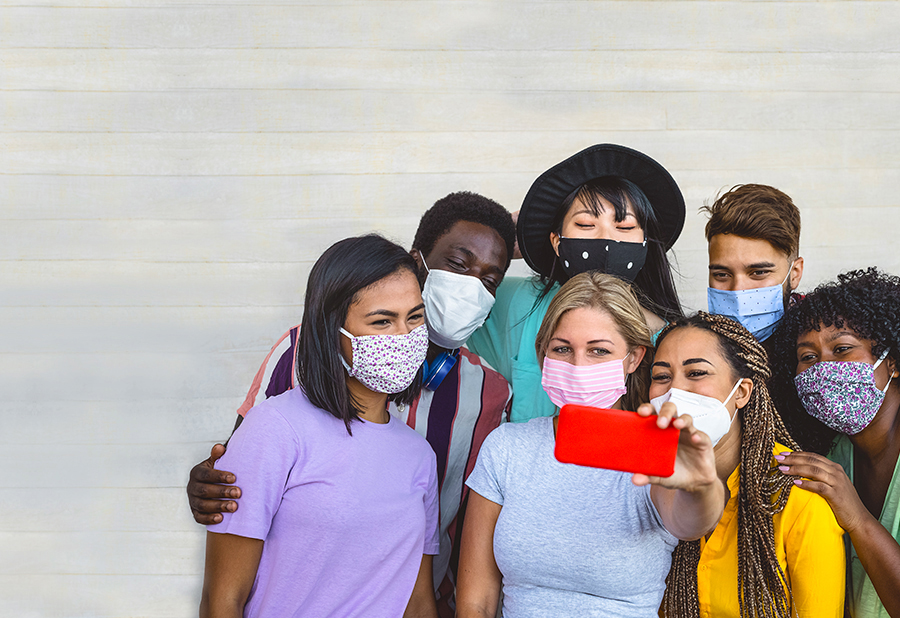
{"x": 170, "y": 169}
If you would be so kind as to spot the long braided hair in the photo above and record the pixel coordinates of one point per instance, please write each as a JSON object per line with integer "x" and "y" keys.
{"x": 763, "y": 589}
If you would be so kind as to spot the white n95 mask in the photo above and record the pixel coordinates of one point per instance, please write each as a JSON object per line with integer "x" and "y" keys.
{"x": 710, "y": 415}
{"x": 455, "y": 306}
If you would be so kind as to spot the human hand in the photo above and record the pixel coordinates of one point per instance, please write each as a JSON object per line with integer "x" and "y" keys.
{"x": 517, "y": 253}
{"x": 828, "y": 479}
{"x": 209, "y": 490}
{"x": 695, "y": 462}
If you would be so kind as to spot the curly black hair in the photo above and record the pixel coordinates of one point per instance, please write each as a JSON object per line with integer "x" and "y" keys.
{"x": 864, "y": 301}
{"x": 464, "y": 206}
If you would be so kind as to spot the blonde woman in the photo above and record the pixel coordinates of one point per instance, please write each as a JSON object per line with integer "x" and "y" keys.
{"x": 560, "y": 539}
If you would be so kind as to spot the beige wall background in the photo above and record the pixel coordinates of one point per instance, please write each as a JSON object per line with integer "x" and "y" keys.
{"x": 170, "y": 170}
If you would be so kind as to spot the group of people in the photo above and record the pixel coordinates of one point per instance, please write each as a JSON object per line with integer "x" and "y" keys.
{"x": 402, "y": 460}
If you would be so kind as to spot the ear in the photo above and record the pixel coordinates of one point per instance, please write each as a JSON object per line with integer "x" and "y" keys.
{"x": 420, "y": 264}
{"x": 796, "y": 273}
{"x": 634, "y": 359}
{"x": 892, "y": 366}
{"x": 554, "y": 240}
{"x": 743, "y": 392}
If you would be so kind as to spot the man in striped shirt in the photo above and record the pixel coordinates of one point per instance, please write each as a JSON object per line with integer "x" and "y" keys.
{"x": 464, "y": 399}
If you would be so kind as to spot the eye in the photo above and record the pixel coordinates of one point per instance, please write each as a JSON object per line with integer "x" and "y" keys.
{"x": 625, "y": 229}
{"x": 584, "y": 226}
{"x": 720, "y": 276}
{"x": 660, "y": 377}
{"x": 761, "y": 274}
{"x": 697, "y": 373}
{"x": 416, "y": 316}
{"x": 842, "y": 349}
{"x": 561, "y": 349}
{"x": 599, "y": 351}
{"x": 490, "y": 284}
{"x": 456, "y": 265}
{"x": 806, "y": 357}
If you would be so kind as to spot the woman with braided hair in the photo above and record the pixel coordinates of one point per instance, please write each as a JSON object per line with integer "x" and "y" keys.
{"x": 777, "y": 551}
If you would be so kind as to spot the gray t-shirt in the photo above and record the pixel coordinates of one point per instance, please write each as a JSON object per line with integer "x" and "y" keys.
{"x": 570, "y": 540}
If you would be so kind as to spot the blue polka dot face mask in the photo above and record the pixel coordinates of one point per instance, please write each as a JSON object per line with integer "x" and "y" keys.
{"x": 621, "y": 259}
{"x": 758, "y": 310}
{"x": 842, "y": 394}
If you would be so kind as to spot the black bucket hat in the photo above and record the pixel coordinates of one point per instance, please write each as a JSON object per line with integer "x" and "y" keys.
{"x": 550, "y": 190}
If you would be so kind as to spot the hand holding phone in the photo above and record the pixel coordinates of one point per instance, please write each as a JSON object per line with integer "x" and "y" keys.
{"x": 616, "y": 440}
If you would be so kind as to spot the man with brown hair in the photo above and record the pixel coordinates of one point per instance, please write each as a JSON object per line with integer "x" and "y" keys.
{"x": 754, "y": 264}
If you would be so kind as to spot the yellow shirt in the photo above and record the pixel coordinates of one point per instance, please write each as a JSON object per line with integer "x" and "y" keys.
{"x": 810, "y": 550}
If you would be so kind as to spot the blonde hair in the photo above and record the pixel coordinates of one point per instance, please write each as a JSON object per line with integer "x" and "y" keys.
{"x": 607, "y": 294}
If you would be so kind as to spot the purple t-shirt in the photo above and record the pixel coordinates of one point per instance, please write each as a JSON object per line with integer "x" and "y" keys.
{"x": 345, "y": 518}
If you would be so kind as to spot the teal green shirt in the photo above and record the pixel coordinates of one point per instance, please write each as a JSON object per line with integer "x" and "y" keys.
{"x": 506, "y": 342}
{"x": 861, "y": 595}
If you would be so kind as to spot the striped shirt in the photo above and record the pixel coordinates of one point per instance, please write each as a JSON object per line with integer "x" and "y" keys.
{"x": 470, "y": 402}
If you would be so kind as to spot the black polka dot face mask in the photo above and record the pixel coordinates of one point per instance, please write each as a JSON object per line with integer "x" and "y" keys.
{"x": 613, "y": 257}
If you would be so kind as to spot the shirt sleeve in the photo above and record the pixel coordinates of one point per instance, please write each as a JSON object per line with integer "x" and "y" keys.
{"x": 492, "y": 340}
{"x": 814, "y": 549}
{"x": 488, "y": 478}
{"x": 261, "y": 454}
{"x": 432, "y": 513}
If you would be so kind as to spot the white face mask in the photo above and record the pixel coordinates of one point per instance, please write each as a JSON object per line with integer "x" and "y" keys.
{"x": 455, "y": 306}
{"x": 710, "y": 415}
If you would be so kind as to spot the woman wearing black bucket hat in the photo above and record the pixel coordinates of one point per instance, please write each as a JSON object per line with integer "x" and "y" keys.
{"x": 606, "y": 208}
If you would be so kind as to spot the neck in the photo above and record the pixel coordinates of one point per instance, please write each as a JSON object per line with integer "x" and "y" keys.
{"x": 728, "y": 451}
{"x": 372, "y": 405}
{"x": 882, "y": 437}
{"x": 433, "y": 351}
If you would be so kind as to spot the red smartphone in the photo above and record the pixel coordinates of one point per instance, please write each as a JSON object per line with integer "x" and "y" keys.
{"x": 616, "y": 440}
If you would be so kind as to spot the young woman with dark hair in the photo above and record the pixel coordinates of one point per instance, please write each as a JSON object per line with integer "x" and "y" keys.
{"x": 339, "y": 509}
{"x": 775, "y": 552}
{"x": 836, "y": 361}
{"x": 608, "y": 209}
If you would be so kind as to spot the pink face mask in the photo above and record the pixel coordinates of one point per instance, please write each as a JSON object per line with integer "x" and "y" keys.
{"x": 599, "y": 385}
{"x": 387, "y": 363}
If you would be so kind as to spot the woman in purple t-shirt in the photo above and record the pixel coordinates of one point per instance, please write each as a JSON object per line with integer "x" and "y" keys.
{"x": 339, "y": 510}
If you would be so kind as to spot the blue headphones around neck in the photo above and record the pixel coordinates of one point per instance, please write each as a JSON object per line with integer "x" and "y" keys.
{"x": 437, "y": 370}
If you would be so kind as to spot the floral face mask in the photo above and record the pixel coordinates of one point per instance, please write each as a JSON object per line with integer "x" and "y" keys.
{"x": 841, "y": 394}
{"x": 387, "y": 363}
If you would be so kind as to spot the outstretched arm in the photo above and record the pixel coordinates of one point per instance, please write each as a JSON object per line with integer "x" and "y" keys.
{"x": 691, "y": 501}
{"x": 478, "y": 589}
{"x": 878, "y": 551}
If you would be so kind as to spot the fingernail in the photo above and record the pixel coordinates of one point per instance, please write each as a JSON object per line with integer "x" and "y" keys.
{"x": 779, "y": 457}
{"x": 798, "y": 482}
{"x": 784, "y": 468}
{"x": 230, "y": 507}
{"x": 785, "y": 453}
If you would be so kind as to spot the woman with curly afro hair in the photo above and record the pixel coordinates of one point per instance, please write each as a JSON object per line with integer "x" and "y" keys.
{"x": 837, "y": 356}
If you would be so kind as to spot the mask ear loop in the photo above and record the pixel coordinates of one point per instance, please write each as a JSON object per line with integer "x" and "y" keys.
{"x": 890, "y": 375}
{"x": 727, "y": 399}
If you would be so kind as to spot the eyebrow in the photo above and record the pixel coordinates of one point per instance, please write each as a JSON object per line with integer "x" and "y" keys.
{"x": 694, "y": 361}
{"x": 394, "y": 314}
{"x": 841, "y": 334}
{"x": 745, "y": 266}
{"x": 566, "y": 341}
